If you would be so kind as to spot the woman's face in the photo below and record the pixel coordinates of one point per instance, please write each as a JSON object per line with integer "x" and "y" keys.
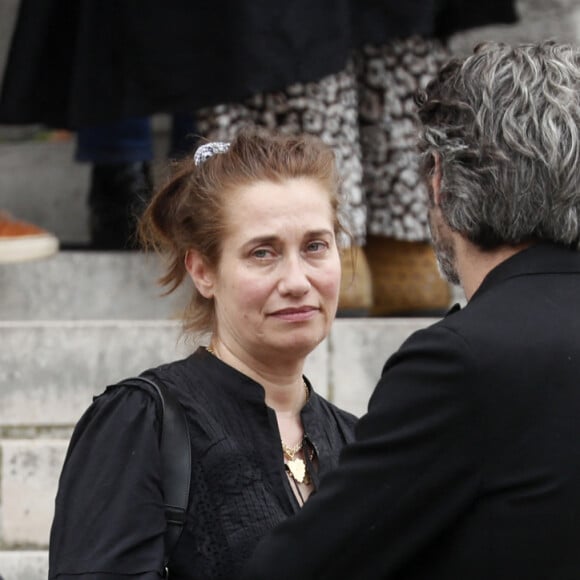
{"x": 276, "y": 287}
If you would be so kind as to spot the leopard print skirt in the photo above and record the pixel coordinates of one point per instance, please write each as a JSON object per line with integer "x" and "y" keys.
{"x": 367, "y": 114}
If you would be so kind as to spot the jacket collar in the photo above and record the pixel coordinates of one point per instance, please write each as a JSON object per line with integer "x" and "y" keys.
{"x": 541, "y": 258}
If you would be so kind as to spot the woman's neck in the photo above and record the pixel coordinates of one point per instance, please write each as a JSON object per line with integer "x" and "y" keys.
{"x": 284, "y": 386}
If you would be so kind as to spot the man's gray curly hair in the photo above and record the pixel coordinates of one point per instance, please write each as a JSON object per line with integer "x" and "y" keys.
{"x": 505, "y": 123}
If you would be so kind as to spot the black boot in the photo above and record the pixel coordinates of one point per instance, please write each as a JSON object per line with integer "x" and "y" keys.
{"x": 118, "y": 194}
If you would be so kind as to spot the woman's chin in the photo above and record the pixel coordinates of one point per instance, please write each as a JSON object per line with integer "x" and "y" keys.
{"x": 300, "y": 346}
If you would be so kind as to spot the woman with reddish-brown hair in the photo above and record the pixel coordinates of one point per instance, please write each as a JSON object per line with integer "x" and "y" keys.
{"x": 254, "y": 225}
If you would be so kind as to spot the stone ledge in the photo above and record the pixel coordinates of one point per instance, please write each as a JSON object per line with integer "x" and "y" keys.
{"x": 50, "y": 371}
{"x": 359, "y": 349}
{"x": 24, "y": 564}
{"x": 28, "y": 483}
{"x": 88, "y": 285}
{"x": 60, "y": 366}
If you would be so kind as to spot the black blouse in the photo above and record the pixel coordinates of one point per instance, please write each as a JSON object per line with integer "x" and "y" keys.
{"x": 109, "y": 521}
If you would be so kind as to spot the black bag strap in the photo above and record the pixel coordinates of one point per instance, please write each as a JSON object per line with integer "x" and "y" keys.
{"x": 175, "y": 449}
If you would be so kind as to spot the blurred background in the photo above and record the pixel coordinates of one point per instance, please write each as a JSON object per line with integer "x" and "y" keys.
{"x": 77, "y": 158}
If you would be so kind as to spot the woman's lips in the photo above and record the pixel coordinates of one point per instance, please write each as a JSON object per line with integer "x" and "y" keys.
{"x": 296, "y": 314}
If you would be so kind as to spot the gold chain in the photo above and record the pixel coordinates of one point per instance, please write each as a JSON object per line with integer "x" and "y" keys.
{"x": 290, "y": 452}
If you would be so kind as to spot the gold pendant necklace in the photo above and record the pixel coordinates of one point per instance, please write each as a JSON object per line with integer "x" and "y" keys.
{"x": 295, "y": 465}
{"x": 297, "y": 469}
{"x": 290, "y": 452}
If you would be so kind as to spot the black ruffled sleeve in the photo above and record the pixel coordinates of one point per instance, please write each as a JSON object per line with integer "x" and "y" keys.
{"x": 109, "y": 516}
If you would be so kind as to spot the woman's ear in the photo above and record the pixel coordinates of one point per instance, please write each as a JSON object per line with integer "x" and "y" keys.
{"x": 202, "y": 275}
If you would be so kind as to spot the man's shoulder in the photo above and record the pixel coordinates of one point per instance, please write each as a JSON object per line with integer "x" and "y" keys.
{"x": 457, "y": 342}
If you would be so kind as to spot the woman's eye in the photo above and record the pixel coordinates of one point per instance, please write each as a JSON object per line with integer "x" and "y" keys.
{"x": 262, "y": 253}
{"x": 316, "y": 246}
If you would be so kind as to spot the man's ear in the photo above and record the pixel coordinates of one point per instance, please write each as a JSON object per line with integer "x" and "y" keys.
{"x": 436, "y": 179}
{"x": 202, "y": 275}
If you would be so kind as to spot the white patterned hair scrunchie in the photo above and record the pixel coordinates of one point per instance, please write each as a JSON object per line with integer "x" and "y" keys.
{"x": 207, "y": 150}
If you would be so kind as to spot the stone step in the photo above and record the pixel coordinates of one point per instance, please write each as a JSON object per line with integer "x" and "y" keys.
{"x": 88, "y": 285}
{"x": 29, "y": 474}
{"x": 84, "y": 285}
{"x": 24, "y": 564}
{"x": 60, "y": 365}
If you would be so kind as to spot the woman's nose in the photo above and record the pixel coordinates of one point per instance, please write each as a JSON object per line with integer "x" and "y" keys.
{"x": 294, "y": 279}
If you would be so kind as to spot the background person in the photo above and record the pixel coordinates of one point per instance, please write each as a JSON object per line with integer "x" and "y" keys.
{"x": 467, "y": 464}
{"x": 254, "y": 225}
{"x": 121, "y": 153}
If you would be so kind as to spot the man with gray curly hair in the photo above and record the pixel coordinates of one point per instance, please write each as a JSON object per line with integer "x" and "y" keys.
{"x": 501, "y": 148}
{"x": 467, "y": 464}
